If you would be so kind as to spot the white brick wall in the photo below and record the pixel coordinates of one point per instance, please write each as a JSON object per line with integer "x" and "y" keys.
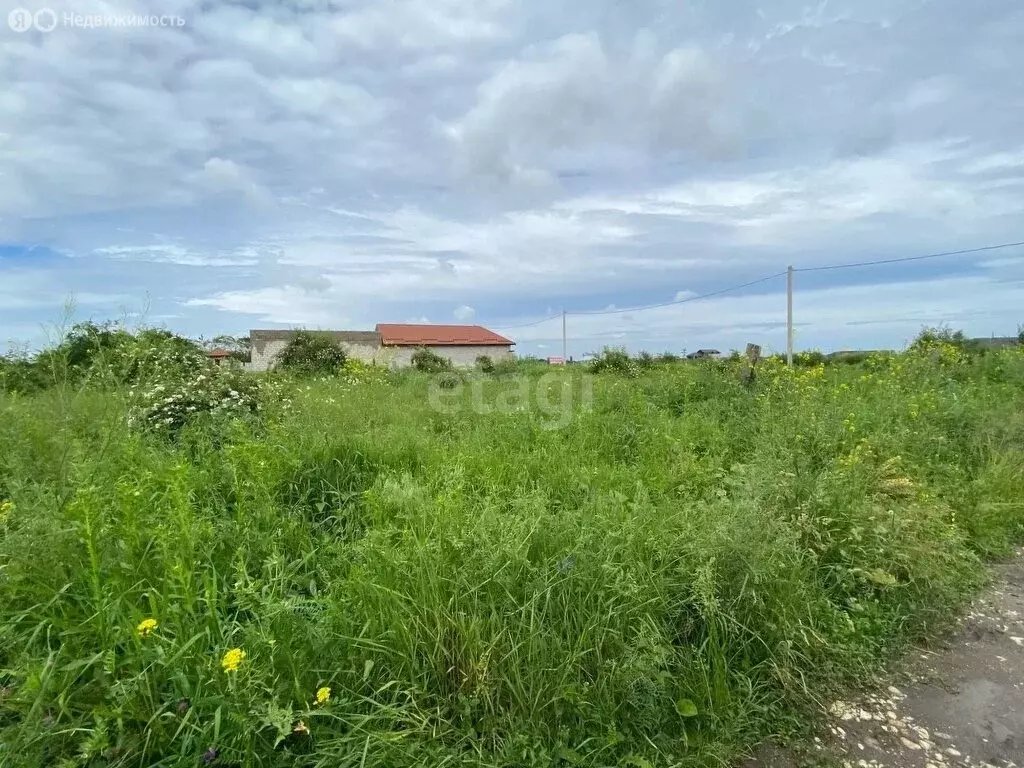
{"x": 461, "y": 356}
{"x": 264, "y": 361}
{"x": 395, "y": 357}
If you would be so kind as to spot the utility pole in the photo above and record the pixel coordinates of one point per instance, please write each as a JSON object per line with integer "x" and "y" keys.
{"x": 565, "y": 358}
{"x": 789, "y": 316}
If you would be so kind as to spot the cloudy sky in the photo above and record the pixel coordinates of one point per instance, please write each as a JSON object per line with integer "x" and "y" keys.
{"x": 334, "y": 164}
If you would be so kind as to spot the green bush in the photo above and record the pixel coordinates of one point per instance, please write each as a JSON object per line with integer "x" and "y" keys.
{"x": 931, "y": 338}
{"x": 427, "y": 360}
{"x": 506, "y": 367}
{"x": 485, "y": 364}
{"x": 809, "y": 359}
{"x": 168, "y": 403}
{"x": 19, "y": 374}
{"x": 614, "y": 360}
{"x": 311, "y": 354}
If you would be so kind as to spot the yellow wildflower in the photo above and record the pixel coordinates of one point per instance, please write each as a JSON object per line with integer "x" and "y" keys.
{"x": 323, "y": 695}
{"x": 233, "y": 659}
{"x": 6, "y": 507}
{"x": 146, "y": 627}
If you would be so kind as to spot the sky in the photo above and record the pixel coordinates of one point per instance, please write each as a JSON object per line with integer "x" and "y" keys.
{"x": 331, "y": 164}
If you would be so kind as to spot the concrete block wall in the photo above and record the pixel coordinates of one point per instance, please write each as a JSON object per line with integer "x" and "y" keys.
{"x": 461, "y": 356}
{"x": 263, "y": 358}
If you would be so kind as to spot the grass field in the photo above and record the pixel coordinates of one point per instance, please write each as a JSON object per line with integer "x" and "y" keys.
{"x": 654, "y": 569}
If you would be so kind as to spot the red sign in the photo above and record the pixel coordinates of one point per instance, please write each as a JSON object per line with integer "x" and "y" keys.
{"x": 556, "y": 361}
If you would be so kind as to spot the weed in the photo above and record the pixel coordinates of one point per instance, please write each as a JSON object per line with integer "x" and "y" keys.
{"x": 345, "y": 576}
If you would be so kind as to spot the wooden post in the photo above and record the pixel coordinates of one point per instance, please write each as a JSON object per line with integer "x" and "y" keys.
{"x": 752, "y": 356}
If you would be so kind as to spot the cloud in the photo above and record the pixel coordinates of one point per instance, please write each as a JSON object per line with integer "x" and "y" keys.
{"x": 464, "y": 314}
{"x": 573, "y": 96}
{"x": 226, "y": 176}
{"x": 341, "y": 166}
{"x": 916, "y": 181}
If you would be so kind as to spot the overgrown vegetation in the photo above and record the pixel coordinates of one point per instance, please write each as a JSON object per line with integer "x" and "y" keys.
{"x": 345, "y": 576}
{"x": 426, "y": 360}
{"x": 309, "y": 354}
{"x": 615, "y": 360}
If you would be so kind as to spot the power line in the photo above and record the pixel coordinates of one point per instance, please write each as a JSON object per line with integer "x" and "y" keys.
{"x": 909, "y": 258}
{"x": 687, "y": 300}
{"x": 528, "y": 325}
{"x": 764, "y": 280}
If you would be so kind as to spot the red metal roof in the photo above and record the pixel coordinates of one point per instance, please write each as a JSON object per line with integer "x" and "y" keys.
{"x": 409, "y": 335}
{"x": 218, "y": 353}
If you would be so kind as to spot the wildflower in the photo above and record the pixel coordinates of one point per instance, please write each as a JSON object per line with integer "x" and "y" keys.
{"x": 146, "y": 627}
{"x": 6, "y": 507}
{"x": 323, "y": 695}
{"x": 233, "y": 659}
{"x": 209, "y": 756}
{"x": 300, "y": 728}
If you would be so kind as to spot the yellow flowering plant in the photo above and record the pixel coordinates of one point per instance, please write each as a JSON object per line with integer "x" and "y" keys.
{"x": 233, "y": 660}
{"x": 146, "y": 627}
{"x": 323, "y": 696}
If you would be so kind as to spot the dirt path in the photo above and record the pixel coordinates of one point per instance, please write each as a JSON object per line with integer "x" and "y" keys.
{"x": 957, "y": 705}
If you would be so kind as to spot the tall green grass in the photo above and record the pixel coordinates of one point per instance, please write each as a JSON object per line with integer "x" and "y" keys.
{"x": 687, "y": 567}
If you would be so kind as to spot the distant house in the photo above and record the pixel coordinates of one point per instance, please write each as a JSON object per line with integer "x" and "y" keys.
{"x": 218, "y": 355}
{"x": 394, "y": 344}
{"x": 701, "y": 353}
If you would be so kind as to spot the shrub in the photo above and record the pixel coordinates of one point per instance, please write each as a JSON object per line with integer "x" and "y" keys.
{"x": 614, "y": 360}
{"x": 850, "y": 358}
{"x": 808, "y": 359}
{"x": 428, "y": 361}
{"x": 309, "y": 354}
{"x": 485, "y": 364}
{"x": 506, "y": 367}
{"x": 153, "y": 354}
{"x": 167, "y": 405}
{"x": 18, "y": 373}
{"x": 932, "y": 338}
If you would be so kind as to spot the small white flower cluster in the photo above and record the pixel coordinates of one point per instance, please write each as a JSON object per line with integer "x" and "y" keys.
{"x": 169, "y": 404}
{"x": 178, "y": 392}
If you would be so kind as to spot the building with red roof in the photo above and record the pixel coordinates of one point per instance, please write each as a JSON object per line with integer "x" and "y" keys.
{"x": 394, "y": 344}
